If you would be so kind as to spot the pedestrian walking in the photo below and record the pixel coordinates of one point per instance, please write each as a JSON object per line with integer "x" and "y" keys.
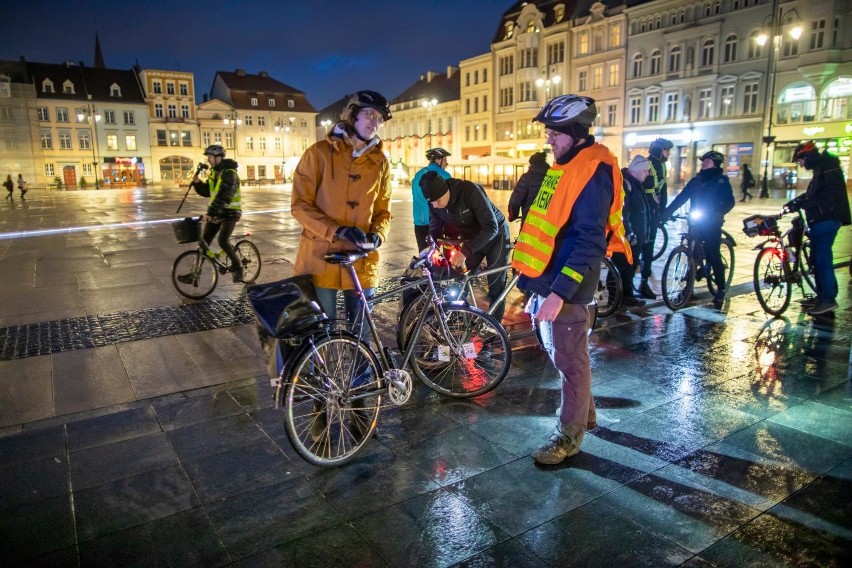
{"x": 748, "y": 182}
{"x": 437, "y": 163}
{"x": 656, "y": 197}
{"x": 637, "y": 222}
{"x": 10, "y": 186}
{"x": 559, "y": 253}
{"x": 527, "y": 187}
{"x": 826, "y": 208}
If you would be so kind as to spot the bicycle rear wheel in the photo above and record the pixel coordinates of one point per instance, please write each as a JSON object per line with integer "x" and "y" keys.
{"x": 610, "y": 290}
{"x": 726, "y": 251}
{"x": 249, "y": 259}
{"x": 194, "y": 275}
{"x": 678, "y": 278}
{"x": 807, "y": 268}
{"x": 471, "y": 361}
{"x": 328, "y": 419}
{"x": 770, "y": 282}
{"x": 661, "y": 242}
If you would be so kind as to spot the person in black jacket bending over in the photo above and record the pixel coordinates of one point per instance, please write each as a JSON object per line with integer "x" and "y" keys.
{"x": 225, "y": 209}
{"x": 637, "y": 223}
{"x": 826, "y": 208}
{"x": 710, "y": 197}
{"x": 527, "y": 187}
{"x": 460, "y": 207}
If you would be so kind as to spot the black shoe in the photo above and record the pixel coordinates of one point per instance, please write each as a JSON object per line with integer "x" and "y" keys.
{"x": 632, "y": 301}
{"x": 645, "y": 291}
{"x": 822, "y": 307}
{"x": 238, "y": 275}
{"x": 719, "y": 299}
{"x": 185, "y": 278}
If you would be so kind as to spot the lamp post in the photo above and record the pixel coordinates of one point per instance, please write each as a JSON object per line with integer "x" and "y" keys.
{"x": 325, "y": 124}
{"x": 773, "y": 21}
{"x": 428, "y": 104}
{"x": 547, "y": 81}
{"x": 233, "y": 118}
{"x": 90, "y": 114}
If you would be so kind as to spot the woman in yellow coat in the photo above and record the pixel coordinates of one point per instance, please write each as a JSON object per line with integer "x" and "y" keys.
{"x": 341, "y": 196}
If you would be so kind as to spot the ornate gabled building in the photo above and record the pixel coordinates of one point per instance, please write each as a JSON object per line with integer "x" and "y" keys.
{"x": 425, "y": 115}
{"x": 18, "y": 136}
{"x": 267, "y": 125}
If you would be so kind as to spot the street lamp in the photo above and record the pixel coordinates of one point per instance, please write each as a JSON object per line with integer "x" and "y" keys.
{"x": 233, "y": 118}
{"x": 325, "y": 124}
{"x": 90, "y": 114}
{"x": 773, "y": 21}
{"x": 547, "y": 81}
{"x": 428, "y": 104}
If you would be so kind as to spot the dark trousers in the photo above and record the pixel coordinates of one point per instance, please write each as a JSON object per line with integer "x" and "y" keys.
{"x": 626, "y": 270}
{"x": 713, "y": 255}
{"x": 420, "y": 233}
{"x": 225, "y": 229}
{"x": 823, "y": 234}
{"x": 497, "y": 254}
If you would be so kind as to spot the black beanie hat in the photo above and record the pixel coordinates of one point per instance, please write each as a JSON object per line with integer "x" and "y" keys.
{"x": 539, "y": 158}
{"x": 433, "y": 186}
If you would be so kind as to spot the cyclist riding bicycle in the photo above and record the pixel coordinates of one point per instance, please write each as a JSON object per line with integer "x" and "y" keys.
{"x": 711, "y": 197}
{"x": 223, "y": 188}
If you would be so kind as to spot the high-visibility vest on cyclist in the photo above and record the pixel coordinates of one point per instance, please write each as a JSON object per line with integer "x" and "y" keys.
{"x": 552, "y": 207}
{"x": 214, "y": 182}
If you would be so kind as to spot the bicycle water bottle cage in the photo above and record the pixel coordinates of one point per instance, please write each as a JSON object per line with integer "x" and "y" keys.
{"x": 344, "y": 258}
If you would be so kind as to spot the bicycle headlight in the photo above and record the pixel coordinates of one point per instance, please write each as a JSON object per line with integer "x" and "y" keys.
{"x": 696, "y": 214}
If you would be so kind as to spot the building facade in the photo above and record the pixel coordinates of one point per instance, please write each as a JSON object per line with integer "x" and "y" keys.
{"x": 17, "y": 122}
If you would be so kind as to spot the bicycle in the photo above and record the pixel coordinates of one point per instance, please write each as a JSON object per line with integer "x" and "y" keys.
{"x": 195, "y": 273}
{"x": 782, "y": 262}
{"x": 661, "y": 241}
{"x": 333, "y": 383}
{"x": 686, "y": 264}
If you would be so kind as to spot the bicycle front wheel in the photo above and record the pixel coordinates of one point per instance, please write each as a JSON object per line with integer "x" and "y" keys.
{"x": 467, "y": 358}
{"x": 249, "y": 259}
{"x": 332, "y": 399}
{"x": 678, "y": 278}
{"x": 194, "y": 275}
{"x": 770, "y": 282}
{"x": 726, "y": 252}
{"x": 610, "y": 289}
{"x": 661, "y": 242}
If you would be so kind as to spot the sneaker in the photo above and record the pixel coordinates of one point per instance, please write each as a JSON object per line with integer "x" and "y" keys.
{"x": 822, "y": 307}
{"x": 185, "y": 278}
{"x": 632, "y": 301}
{"x": 555, "y": 451}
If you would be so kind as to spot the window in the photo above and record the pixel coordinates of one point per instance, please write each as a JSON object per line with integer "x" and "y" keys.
{"x": 205, "y": 138}
{"x": 708, "y": 53}
{"x": 158, "y": 110}
{"x": 476, "y": 77}
{"x": 476, "y": 104}
{"x": 635, "y": 110}
{"x": 47, "y": 86}
{"x": 614, "y": 74}
{"x": 170, "y": 88}
{"x": 130, "y": 141}
{"x": 653, "y": 108}
{"x": 109, "y": 116}
{"x": 88, "y": 169}
{"x": 581, "y": 80}
{"x": 84, "y": 140}
{"x": 555, "y": 53}
{"x": 467, "y": 133}
{"x": 291, "y": 103}
{"x": 526, "y": 92}
{"x": 261, "y": 120}
{"x": 48, "y": 170}
{"x": 253, "y": 101}
{"x": 507, "y": 97}
{"x": 6, "y": 114}
{"x": 726, "y": 99}
{"x": 161, "y": 138}
{"x": 248, "y": 120}
{"x": 656, "y": 62}
{"x": 277, "y": 143}
{"x": 674, "y": 59}
{"x": 750, "y": 98}
{"x": 485, "y": 74}
{"x": 186, "y": 138}
{"x": 637, "y": 65}
{"x": 43, "y": 114}
{"x": 112, "y": 141}
{"x": 61, "y": 114}
{"x": 611, "y": 114}
{"x": 115, "y": 91}
{"x": 672, "y": 100}
{"x": 705, "y": 102}
{"x": 817, "y": 34}
{"x": 755, "y": 50}
{"x": 583, "y": 43}
{"x": 46, "y": 140}
{"x": 730, "y": 48}
{"x": 597, "y": 77}
{"x": 229, "y": 140}
{"x": 271, "y": 102}
{"x": 129, "y": 117}
{"x": 249, "y": 143}
{"x": 158, "y": 87}
{"x": 172, "y": 111}
{"x": 484, "y": 108}
{"x": 184, "y": 111}
{"x": 64, "y": 140}
{"x": 615, "y": 35}
{"x": 791, "y": 47}
{"x": 484, "y": 131}
{"x": 184, "y": 89}
{"x": 835, "y": 32}
{"x": 507, "y": 65}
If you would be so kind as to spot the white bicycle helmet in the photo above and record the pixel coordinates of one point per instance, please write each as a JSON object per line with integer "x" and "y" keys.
{"x": 569, "y": 114}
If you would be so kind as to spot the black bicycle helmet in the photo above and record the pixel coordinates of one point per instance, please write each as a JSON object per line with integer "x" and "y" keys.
{"x": 802, "y": 150}
{"x": 370, "y": 99}
{"x": 717, "y": 157}
{"x": 569, "y": 114}
{"x": 660, "y": 144}
{"x": 214, "y": 150}
{"x": 433, "y": 154}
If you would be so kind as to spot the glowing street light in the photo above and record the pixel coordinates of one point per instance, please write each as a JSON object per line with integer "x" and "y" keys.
{"x": 428, "y": 104}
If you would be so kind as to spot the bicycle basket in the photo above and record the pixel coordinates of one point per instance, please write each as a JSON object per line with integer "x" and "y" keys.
{"x": 286, "y": 307}
{"x": 188, "y": 230}
{"x": 760, "y": 225}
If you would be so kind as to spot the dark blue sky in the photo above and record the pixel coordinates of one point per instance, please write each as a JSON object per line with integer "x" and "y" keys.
{"x": 326, "y": 48}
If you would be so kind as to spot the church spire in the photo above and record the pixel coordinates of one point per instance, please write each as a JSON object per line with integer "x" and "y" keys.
{"x": 99, "y": 55}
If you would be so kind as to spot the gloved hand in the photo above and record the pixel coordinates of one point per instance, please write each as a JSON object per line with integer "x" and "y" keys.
{"x": 374, "y": 239}
{"x": 352, "y": 234}
{"x": 631, "y": 238}
{"x": 793, "y": 205}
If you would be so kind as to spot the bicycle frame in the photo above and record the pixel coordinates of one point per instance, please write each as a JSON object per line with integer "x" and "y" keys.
{"x": 795, "y": 273}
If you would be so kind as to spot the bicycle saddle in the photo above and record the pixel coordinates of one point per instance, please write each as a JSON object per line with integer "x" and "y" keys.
{"x": 344, "y": 257}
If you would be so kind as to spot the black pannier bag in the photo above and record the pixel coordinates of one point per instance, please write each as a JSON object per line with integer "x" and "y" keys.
{"x": 188, "y": 230}
{"x": 282, "y": 310}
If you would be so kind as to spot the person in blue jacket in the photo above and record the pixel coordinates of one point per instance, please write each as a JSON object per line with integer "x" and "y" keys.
{"x": 437, "y": 163}
{"x": 710, "y": 198}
